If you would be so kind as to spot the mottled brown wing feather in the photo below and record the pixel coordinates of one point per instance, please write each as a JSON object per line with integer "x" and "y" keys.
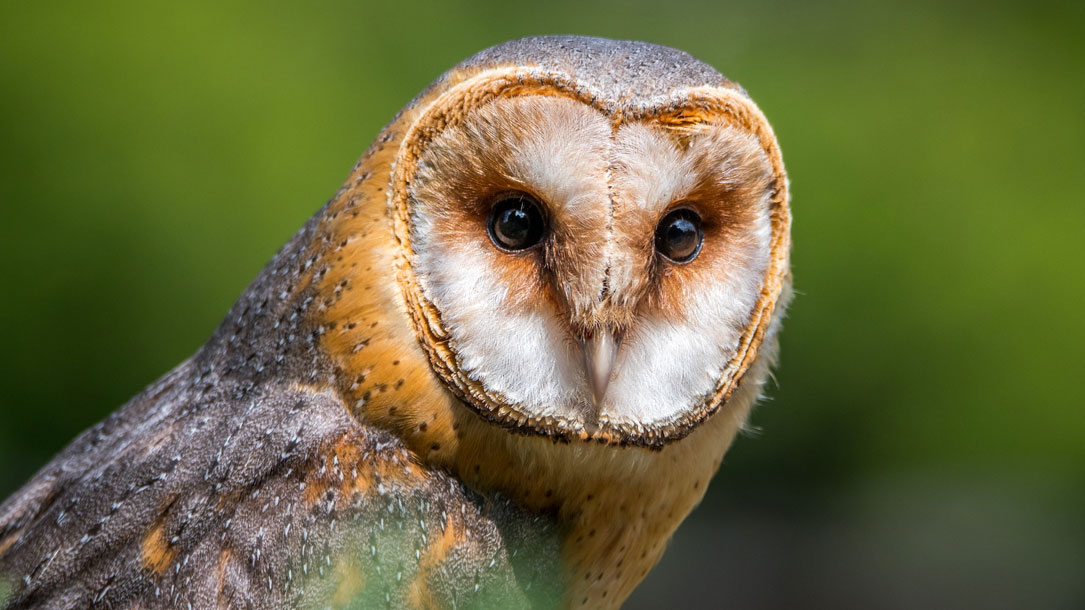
{"x": 203, "y": 493}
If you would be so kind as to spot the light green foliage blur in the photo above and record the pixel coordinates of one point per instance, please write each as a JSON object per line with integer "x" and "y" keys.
{"x": 379, "y": 567}
{"x": 925, "y": 443}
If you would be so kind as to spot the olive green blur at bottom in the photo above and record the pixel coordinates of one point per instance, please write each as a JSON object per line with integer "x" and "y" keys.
{"x": 923, "y": 445}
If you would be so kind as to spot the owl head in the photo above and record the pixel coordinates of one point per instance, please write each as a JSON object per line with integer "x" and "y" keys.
{"x": 590, "y": 249}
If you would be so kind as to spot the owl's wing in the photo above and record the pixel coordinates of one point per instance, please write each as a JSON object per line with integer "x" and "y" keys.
{"x": 198, "y": 494}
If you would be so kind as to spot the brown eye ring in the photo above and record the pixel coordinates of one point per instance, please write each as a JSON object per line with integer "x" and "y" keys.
{"x": 516, "y": 222}
{"x": 679, "y": 236}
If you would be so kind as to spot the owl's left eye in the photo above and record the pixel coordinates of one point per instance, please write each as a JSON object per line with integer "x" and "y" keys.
{"x": 516, "y": 222}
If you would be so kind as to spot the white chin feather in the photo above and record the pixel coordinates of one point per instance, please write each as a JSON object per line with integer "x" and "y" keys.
{"x": 522, "y": 355}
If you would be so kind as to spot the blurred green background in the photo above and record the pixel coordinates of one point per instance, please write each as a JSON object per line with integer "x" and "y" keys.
{"x": 924, "y": 446}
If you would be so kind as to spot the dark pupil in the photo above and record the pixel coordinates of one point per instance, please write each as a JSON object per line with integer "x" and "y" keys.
{"x": 516, "y": 223}
{"x": 679, "y": 236}
{"x": 514, "y": 226}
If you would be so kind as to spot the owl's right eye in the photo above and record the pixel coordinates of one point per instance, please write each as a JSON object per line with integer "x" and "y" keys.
{"x": 679, "y": 236}
{"x": 516, "y": 223}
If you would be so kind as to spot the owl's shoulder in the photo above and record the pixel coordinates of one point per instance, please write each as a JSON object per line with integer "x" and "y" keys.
{"x": 209, "y": 493}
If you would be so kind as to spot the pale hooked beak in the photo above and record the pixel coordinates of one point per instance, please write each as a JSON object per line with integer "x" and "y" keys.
{"x": 600, "y": 351}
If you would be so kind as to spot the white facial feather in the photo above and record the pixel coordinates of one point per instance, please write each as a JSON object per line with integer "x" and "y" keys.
{"x": 517, "y": 348}
{"x": 519, "y": 353}
{"x": 524, "y": 348}
{"x": 668, "y": 364}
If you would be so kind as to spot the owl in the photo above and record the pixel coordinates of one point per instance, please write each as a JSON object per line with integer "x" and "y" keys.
{"x": 496, "y": 370}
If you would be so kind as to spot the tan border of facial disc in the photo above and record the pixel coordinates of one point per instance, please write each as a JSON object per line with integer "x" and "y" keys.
{"x": 696, "y": 105}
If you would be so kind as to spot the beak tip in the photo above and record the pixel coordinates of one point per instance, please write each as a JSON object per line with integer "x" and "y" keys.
{"x": 600, "y": 353}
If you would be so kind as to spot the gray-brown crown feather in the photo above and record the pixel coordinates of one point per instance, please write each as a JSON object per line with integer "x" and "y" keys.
{"x": 619, "y": 69}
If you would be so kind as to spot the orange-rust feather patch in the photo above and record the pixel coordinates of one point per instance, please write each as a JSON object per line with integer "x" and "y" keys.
{"x": 383, "y": 375}
{"x": 6, "y": 543}
{"x": 437, "y": 551}
{"x": 344, "y": 470}
{"x": 158, "y": 553}
{"x": 224, "y": 562}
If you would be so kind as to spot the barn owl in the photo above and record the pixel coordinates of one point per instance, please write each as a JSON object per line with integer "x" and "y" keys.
{"x": 496, "y": 370}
